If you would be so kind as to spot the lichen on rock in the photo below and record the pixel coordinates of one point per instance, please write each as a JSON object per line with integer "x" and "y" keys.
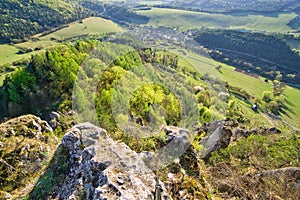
{"x": 26, "y": 146}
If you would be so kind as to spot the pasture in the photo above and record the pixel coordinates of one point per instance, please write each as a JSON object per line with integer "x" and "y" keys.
{"x": 183, "y": 19}
{"x": 9, "y": 54}
{"x": 90, "y": 26}
{"x": 292, "y": 101}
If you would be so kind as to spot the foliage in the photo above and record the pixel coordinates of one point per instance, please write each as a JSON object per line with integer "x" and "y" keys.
{"x": 21, "y": 19}
{"x": 275, "y": 101}
{"x": 20, "y": 86}
{"x": 234, "y": 111}
{"x": 46, "y": 82}
{"x": 268, "y": 152}
{"x": 152, "y": 96}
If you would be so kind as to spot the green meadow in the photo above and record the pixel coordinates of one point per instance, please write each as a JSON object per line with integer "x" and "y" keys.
{"x": 9, "y": 54}
{"x": 254, "y": 86}
{"x": 89, "y": 26}
{"x": 293, "y": 101}
{"x": 183, "y": 19}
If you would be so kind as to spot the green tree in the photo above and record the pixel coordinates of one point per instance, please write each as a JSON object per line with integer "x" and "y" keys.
{"x": 267, "y": 96}
{"x": 19, "y": 86}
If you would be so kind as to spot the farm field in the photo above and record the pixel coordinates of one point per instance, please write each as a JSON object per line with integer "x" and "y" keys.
{"x": 183, "y": 19}
{"x": 228, "y": 74}
{"x": 92, "y": 26}
{"x": 203, "y": 64}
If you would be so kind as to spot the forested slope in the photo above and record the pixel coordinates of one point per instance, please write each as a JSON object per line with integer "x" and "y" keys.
{"x": 20, "y": 19}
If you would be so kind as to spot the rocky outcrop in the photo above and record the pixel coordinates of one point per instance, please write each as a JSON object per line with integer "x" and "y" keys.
{"x": 26, "y": 145}
{"x": 29, "y": 126}
{"x": 217, "y": 136}
{"x": 104, "y": 169}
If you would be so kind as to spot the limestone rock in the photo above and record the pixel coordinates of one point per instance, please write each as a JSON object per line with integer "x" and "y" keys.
{"x": 217, "y": 136}
{"x": 103, "y": 168}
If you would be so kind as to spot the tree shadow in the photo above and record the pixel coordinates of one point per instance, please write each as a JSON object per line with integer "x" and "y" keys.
{"x": 240, "y": 13}
{"x": 289, "y": 102}
{"x": 54, "y": 175}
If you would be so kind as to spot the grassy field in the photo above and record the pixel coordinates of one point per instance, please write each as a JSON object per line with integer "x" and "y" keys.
{"x": 201, "y": 63}
{"x": 256, "y": 87}
{"x": 292, "y": 97}
{"x": 9, "y": 54}
{"x": 256, "y": 118}
{"x": 91, "y": 26}
{"x": 205, "y": 64}
{"x": 188, "y": 19}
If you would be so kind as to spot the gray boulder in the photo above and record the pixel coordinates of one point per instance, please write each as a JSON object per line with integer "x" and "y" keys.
{"x": 217, "y": 137}
{"x": 104, "y": 169}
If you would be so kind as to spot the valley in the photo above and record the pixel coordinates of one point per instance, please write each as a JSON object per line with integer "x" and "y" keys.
{"x": 149, "y": 99}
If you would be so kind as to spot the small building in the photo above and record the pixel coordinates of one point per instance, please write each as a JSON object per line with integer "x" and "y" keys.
{"x": 254, "y": 107}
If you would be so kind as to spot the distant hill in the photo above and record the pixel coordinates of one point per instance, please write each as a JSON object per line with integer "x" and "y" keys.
{"x": 238, "y": 5}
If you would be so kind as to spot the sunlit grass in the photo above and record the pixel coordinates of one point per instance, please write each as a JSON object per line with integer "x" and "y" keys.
{"x": 92, "y": 26}
{"x": 9, "y": 54}
{"x": 183, "y": 19}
